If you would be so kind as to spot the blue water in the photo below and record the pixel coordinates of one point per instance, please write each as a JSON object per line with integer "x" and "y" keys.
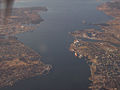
{"x": 52, "y": 41}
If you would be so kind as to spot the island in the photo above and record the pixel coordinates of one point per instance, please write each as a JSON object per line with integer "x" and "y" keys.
{"x": 101, "y": 49}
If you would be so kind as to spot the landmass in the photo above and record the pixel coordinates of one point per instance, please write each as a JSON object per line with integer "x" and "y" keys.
{"x": 101, "y": 49}
{"x": 21, "y": 20}
{"x": 17, "y": 61}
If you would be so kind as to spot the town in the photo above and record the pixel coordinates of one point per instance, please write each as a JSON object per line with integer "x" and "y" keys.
{"x": 101, "y": 49}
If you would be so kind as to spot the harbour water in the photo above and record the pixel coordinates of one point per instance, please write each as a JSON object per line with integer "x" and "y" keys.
{"x": 51, "y": 40}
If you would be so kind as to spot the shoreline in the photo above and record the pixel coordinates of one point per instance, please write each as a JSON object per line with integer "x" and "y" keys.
{"x": 102, "y": 54}
{"x": 17, "y": 60}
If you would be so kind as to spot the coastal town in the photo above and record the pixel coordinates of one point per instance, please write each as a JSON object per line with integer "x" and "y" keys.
{"x": 101, "y": 49}
{"x": 18, "y": 61}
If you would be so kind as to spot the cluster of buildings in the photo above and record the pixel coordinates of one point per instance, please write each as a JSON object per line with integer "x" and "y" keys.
{"x": 101, "y": 50}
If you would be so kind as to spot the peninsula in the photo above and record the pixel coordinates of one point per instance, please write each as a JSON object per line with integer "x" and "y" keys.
{"x": 101, "y": 49}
